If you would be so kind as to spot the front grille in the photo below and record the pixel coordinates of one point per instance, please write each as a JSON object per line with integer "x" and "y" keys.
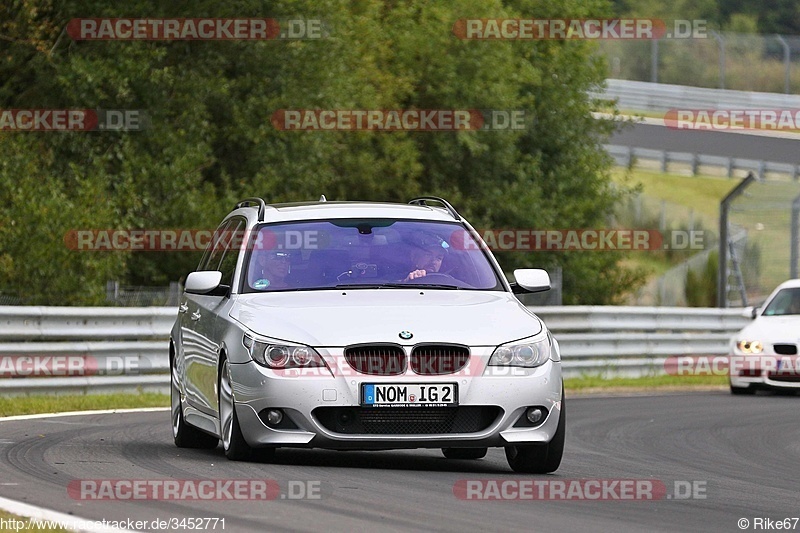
{"x": 439, "y": 359}
{"x": 376, "y": 359}
{"x": 786, "y": 377}
{"x": 785, "y": 349}
{"x": 406, "y": 420}
{"x": 750, "y": 373}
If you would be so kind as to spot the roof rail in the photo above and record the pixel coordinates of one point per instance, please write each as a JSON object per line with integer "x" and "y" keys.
{"x": 423, "y": 199}
{"x": 248, "y": 202}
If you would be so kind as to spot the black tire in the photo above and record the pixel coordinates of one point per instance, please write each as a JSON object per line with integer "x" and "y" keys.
{"x": 186, "y": 435}
{"x": 464, "y": 453}
{"x": 236, "y": 448}
{"x": 540, "y": 458}
{"x": 741, "y": 391}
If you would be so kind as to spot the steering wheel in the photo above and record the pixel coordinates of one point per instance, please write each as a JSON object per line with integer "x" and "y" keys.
{"x": 431, "y": 278}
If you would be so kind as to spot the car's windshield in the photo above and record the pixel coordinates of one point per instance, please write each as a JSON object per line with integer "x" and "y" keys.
{"x": 786, "y": 302}
{"x": 366, "y": 253}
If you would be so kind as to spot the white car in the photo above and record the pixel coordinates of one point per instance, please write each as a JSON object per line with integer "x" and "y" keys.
{"x": 764, "y": 353}
{"x": 350, "y": 325}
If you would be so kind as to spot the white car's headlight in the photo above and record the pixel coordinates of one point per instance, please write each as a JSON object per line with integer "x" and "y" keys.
{"x": 528, "y": 354}
{"x": 750, "y": 347}
{"x": 275, "y": 355}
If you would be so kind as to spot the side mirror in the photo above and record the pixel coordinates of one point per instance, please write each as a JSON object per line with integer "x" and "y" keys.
{"x": 750, "y": 312}
{"x": 531, "y": 280}
{"x": 203, "y": 282}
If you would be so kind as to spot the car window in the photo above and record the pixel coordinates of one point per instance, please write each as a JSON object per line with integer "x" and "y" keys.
{"x": 366, "y": 253}
{"x": 232, "y": 244}
{"x": 786, "y": 302}
{"x": 216, "y": 247}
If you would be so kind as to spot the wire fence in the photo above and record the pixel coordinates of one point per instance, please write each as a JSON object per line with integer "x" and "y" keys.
{"x": 763, "y": 213}
{"x": 674, "y": 287}
{"x": 725, "y": 60}
{"x": 117, "y": 295}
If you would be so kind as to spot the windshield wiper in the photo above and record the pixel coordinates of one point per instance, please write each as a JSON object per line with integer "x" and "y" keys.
{"x": 433, "y": 286}
{"x": 374, "y": 286}
{"x": 395, "y": 286}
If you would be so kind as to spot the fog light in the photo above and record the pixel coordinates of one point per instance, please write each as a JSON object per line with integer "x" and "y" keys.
{"x": 534, "y": 415}
{"x": 274, "y": 417}
{"x": 345, "y": 417}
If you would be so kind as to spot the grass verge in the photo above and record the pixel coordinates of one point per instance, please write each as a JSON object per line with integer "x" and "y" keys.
{"x": 596, "y": 383}
{"x": 701, "y": 193}
{"x": 27, "y": 405}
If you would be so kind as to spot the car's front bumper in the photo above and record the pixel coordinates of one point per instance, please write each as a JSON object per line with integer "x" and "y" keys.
{"x": 503, "y": 398}
{"x": 765, "y": 371}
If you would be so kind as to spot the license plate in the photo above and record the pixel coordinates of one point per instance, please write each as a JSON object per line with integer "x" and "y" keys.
{"x": 409, "y": 395}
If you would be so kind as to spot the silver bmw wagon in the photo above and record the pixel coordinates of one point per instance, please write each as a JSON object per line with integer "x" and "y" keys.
{"x": 370, "y": 326}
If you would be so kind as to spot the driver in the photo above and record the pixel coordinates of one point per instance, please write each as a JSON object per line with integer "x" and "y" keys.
{"x": 794, "y": 305}
{"x": 427, "y": 254}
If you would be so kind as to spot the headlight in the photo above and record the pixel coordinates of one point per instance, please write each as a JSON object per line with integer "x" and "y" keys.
{"x": 529, "y": 354}
{"x": 750, "y": 347}
{"x": 274, "y": 355}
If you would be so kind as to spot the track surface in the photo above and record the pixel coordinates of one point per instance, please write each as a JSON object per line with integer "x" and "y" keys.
{"x": 745, "y": 449}
{"x": 725, "y": 144}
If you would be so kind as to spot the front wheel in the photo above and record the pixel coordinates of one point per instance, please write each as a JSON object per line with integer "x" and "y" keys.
{"x": 540, "y": 458}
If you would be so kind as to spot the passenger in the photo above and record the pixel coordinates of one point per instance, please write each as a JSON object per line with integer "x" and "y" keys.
{"x": 269, "y": 270}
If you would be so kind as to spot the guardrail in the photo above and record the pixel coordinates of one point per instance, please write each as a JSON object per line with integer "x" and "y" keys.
{"x": 126, "y": 349}
{"x": 646, "y": 96}
{"x": 614, "y": 341}
{"x": 624, "y": 156}
{"x": 100, "y": 349}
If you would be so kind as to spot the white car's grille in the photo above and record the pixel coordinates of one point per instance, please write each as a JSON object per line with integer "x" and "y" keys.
{"x": 376, "y": 359}
{"x": 439, "y": 359}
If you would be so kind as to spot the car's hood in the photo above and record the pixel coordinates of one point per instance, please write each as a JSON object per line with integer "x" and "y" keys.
{"x": 340, "y": 318}
{"x": 771, "y": 329}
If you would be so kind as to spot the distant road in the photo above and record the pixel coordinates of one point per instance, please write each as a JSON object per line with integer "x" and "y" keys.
{"x": 725, "y": 144}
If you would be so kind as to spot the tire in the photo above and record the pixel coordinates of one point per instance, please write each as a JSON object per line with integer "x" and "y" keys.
{"x": 741, "y": 391}
{"x": 185, "y": 435}
{"x": 540, "y": 458}
{"x": 464, "y": 453}
{"x": 236, "y": 448}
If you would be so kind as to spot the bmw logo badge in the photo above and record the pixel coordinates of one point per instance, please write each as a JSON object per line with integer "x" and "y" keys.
{"x": 405, "y": 335}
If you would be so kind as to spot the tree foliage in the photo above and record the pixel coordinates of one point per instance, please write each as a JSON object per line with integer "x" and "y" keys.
{"x": 211, "y": 141}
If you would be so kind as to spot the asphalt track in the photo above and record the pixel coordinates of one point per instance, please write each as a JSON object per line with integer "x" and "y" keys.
{"x": 727, "y": 144}
{"x": 743, "y": 453}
